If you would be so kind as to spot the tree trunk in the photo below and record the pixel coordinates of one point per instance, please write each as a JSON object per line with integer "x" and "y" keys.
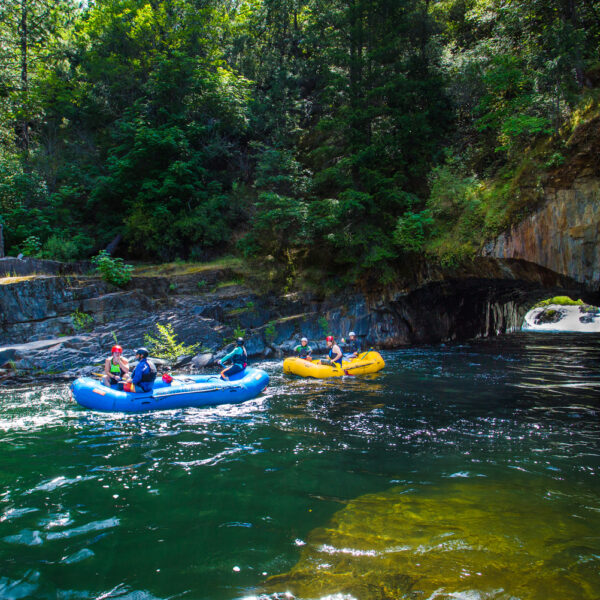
{"x": 571, "y": 16}
{"x": 23, "y": 126}
{"x": 1, "y": 240}
{"x": 113, "y": 245}
{"x": 357, "y": 119}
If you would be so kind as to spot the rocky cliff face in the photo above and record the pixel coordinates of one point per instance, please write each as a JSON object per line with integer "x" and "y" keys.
{"x": 564, "y": 233}
{"x": 38, "y": 331}
{"x": 10, "y": 266}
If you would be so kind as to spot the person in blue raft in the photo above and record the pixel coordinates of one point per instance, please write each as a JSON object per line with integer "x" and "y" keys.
{"x": 238, "y": 358}
{"x": 142, "y": 379}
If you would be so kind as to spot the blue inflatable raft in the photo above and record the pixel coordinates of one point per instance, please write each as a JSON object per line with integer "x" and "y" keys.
{"x": 184, "y": 391}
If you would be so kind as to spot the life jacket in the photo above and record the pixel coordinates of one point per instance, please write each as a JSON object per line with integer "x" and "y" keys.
{"x": 240, "y": 358}
{"x": 303, "y": 351}
{"x": 331, "y": 355}
{"x": 150, "y": 374}
{"x": 116, "y": 369}
{"x": 352, "y": 346}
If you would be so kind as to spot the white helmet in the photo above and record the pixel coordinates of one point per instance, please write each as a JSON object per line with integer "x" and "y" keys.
{"x": 304, "y": 340}
{"x": 351, "y": 333}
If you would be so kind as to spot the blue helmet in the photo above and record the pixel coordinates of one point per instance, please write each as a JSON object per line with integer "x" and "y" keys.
{"x": 143, "y": 351}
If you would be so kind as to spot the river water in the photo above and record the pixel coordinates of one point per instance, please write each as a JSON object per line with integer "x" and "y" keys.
{"x": 461, "y": 471}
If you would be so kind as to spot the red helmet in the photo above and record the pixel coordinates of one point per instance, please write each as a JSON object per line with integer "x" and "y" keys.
{"x": 329, "y": 338}
{"x": 117, "y": 349}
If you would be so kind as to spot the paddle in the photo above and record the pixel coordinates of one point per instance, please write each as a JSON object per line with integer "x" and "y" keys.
{"x": 358, "y": 366}
{"x": 364, "y": 355}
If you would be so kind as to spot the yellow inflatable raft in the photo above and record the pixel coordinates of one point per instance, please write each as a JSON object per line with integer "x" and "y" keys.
{"x": 367, "y": 362}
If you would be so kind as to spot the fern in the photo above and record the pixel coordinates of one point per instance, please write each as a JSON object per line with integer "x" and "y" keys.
{"x": 166, "y": 346}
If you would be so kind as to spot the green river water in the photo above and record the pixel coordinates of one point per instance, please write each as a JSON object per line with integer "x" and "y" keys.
{"x": 461, "y": 471}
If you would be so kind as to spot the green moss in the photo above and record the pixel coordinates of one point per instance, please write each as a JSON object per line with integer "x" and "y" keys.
{"x": 229, "y": 283}
{"x": 189, "y": 268}
{"x": 242, "y": 310}
{"x": 588, "y": 109}
{"x": 270, "y": 332}
{"x": 561, "y": 301}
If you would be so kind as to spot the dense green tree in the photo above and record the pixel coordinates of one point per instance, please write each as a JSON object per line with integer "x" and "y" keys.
{"x": 28, "y": 37}
{"x": 381, "y": 121}
{"x": 347, "y": 134}
{"x": 163, "y": 115}
{"x": 515, "y": 68}
{"x": 30, "y": 46}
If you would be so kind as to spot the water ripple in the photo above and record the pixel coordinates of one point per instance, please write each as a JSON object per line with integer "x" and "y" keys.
{"x": 171, "y": 502}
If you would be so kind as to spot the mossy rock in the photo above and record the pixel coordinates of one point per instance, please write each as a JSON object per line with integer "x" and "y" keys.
{"x": 550, "y": 315}
{"x": 560, "y": 301}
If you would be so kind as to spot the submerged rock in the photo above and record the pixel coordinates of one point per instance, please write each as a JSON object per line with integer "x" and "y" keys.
{"x": 468, "y": 539}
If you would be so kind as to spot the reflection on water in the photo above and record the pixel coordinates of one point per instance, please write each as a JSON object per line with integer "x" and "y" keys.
{"x": 465, "y": 459}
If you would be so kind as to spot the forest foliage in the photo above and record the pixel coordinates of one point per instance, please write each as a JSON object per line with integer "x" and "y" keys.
{"x": 342, "y": 134}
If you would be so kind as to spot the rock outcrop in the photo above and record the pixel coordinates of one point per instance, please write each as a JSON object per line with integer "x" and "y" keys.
{"x": 563, "y": 234}
{"x": 10, "y": 266}
{"x": 40, "y": 331}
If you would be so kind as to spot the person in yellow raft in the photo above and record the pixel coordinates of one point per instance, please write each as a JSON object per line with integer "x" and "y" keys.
{"x": 351, "y": 346}
{"x": 303, "y": 350}
{"x": 335, "y": 352}
{"x": 116, "y": 367}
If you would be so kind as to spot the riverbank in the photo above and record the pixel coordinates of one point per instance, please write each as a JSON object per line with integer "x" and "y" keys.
{"x": 63, "y": 325}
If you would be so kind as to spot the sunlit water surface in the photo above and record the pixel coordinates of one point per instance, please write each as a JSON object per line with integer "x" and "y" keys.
{"x": 450, "y": 450}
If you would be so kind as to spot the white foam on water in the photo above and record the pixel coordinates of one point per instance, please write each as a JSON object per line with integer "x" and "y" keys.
{"x": 58, "y": 482}
{"x": 328, "y": 549}
{"x": 569, "y": 322}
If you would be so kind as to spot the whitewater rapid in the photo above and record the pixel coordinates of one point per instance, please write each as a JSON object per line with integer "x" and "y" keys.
{"x": 569, "y": 321}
